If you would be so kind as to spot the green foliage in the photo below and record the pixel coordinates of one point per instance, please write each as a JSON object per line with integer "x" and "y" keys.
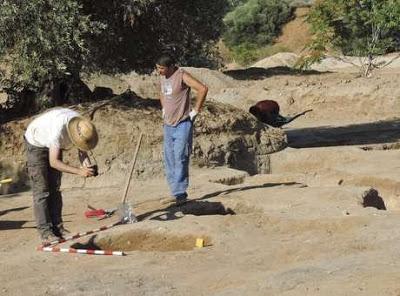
{"x": 301, "y": 3}
{"x": 256, "y": 22}
{"x": 354, "y": 27}
{"x": 53, "y": 37}
{"x": 246, "y": 54}
{"x": 44, "y": 43}
{"x": 235, "y": 3}
{"x": 42, "y": 40}
{"x": 139, "y": 31}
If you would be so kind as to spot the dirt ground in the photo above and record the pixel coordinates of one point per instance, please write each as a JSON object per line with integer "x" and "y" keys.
{"x": 325, "y": 221}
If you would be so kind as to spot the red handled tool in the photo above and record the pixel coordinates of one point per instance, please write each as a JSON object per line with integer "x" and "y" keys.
{"x": 98, "y": 213}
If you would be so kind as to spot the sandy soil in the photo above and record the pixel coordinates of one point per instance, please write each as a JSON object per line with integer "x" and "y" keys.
{"x": 324, "y": 222}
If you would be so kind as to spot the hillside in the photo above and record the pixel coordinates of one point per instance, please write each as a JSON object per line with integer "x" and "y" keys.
{"x": 295, "y": 34}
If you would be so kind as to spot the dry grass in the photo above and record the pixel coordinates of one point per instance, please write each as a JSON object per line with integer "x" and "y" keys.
{"x": 295, "y": 34}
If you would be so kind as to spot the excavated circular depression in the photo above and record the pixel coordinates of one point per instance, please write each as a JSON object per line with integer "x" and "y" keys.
{"x": 161, "y": 241}
{"x": 371, "y": 198}
{"x": 148, "y": 241}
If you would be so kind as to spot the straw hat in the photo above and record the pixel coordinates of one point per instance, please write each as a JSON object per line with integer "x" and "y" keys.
{"x": 82, "y": 133}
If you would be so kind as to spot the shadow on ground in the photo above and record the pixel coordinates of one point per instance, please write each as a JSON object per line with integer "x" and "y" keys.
{"x": 4, "y": 212}
{"x": 354, "y": 134}
{"x": 266, "y": 185}
{"x": 258, "y": 73}
{"x": 8, "y": 225}
{"x": 196, "y": 208}
{"x": 199, "y": 207}
{"x": 90, "y": 245}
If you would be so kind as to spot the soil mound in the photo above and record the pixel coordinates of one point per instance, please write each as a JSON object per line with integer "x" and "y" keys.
{"x": 224, "y": 135}
{"x": 282, "y": 59}
{"x": 147, "y": 86}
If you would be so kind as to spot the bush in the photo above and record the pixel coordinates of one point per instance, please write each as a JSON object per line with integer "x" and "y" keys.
{"x": 256, "y": 22}
{"x": 42, "y": 40}
{"x": 354, "y": 27}
{"x": 235, "y": 3}
{"x": 47, "y": 44}
{"x": 138, "y": 31}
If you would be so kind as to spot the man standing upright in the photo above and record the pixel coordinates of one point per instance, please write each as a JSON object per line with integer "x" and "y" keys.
{"x": 178, "y": 119}
{"x": 46, "y": 137}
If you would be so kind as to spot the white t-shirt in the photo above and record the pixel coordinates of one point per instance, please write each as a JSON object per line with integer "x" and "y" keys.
{"x": 50, "y": 129}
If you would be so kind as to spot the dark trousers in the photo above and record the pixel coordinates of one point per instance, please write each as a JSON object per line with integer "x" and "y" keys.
{"x": 45, "y": 181}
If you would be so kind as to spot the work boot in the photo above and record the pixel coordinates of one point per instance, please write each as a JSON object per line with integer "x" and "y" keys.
{"x": 177, "y": 201}
{"x": 48, "y": 237}
{"x": 60, "y": 231}
{"x": 181, "y": 199}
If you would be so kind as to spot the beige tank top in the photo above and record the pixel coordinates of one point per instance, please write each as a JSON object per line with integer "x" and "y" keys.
{"x": 176, "y": 98}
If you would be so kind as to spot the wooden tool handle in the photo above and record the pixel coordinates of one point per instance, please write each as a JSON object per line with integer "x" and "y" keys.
{"x": 128, "y": 181}
{"x": 5, "y": 181}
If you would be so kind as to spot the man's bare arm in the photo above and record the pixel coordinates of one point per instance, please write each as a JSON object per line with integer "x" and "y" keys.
{"x": 199, "y": 87}
{"x": 58, "y": 164}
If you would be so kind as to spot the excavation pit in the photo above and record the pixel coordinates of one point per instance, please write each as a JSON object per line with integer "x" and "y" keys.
{"x": 371, "y": 198}
{"x": 145, "y": 241}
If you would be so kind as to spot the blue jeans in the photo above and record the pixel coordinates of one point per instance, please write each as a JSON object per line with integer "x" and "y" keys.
{"x": 177, "y": 148}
